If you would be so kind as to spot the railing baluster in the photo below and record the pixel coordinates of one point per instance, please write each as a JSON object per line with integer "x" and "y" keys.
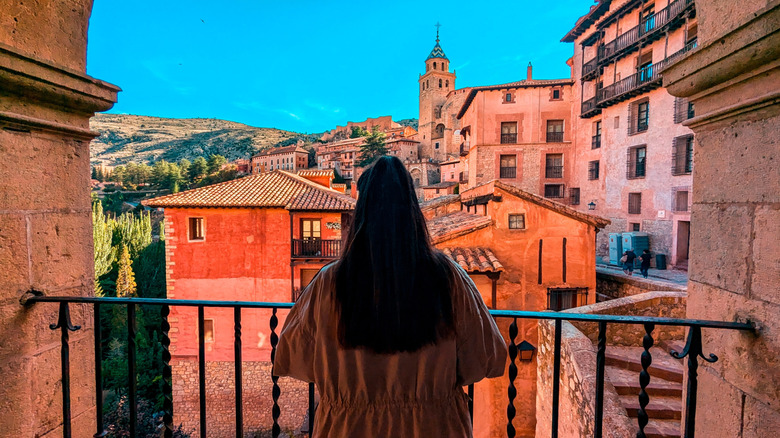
{"x": 644, "y": 379}
{"x": 131, "y": 371}
{"x": 512, "y": 392}
{"x": 276, "y": 391}
{"x": 98, "y": 372}
{"x": 311, "y": 409}
{"x": 202, "y": 371}
{"x": 556, "y": 376}
{"x": 167, "y": 374}
{"x": 239, "y": 370}
{"x": 63, "y": 323}
{"x": 693, "y": 349}
{"x": 600, "y": 364}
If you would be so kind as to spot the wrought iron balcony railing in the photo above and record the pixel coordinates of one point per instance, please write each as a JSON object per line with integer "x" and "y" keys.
{"x": 508, "y": 138}
{"x": 650, "y": 28}
{"x": 692, "y": 350}
{"x": 316, "y": 248}
{"x": 553, "y": 171}
{"x": 508, "y": 172}
{"x": 554, "y": 137}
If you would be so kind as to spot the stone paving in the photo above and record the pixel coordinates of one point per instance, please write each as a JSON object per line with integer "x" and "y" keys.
{"x": 666, "y": 275}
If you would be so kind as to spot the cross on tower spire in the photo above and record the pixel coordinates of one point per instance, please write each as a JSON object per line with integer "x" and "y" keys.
{"x": 438, "y": 25}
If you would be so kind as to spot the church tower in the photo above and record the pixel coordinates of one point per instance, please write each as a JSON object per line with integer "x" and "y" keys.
{"x": 435, "y": 84}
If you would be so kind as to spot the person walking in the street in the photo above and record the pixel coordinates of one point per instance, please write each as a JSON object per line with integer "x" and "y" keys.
{"x": 645, "y": 265}
{"x": 628, "y": 262}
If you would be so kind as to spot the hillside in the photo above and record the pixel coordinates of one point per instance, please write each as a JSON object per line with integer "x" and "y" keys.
{"x": 142, "y": 139}
{"x": 408, "y": 122}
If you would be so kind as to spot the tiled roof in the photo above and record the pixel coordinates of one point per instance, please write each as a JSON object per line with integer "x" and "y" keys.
{"x": 525, "y": 83}
{"x": 281, "y": 150}
{"x": 455, "y": 224}
{"x": 584, "y": 22}
{"x": 437, "y": 52}
{"x": 474, "y": 259}
{"x": 315, "y": 172}
{"x": 438, "y": 202}
{"x": 278, "y": 189}
{"x": 441, "y": 185}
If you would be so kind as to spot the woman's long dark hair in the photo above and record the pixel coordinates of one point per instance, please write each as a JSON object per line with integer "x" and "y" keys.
{"x": 392, "y": 286}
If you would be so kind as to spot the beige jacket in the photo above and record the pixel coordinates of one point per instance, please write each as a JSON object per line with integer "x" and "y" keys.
{"x": 363, "y": 394}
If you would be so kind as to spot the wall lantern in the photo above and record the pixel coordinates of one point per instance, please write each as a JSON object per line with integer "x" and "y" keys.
{"x": 526, "y": 351}
{"x": 591, "y": 205}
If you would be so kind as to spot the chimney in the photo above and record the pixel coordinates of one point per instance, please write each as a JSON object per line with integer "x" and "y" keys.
{"x": 529, "y": 76}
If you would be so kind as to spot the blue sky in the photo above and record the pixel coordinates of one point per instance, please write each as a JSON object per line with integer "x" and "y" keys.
{"x": 307, "y": 66}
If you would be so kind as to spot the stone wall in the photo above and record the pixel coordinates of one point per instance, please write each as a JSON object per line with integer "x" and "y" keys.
{"x": 46, "y": 100}
{"x": 655, "y": 304}
{"x": 732, "y": 80}
{"x": 221, "y": 401}
{"x": 578, "y": 388}
{"x": 611, "y": 285}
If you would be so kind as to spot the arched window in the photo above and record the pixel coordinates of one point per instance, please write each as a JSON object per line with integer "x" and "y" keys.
{"x": 437, "y": 112}
{"x": 434, "y": 65}
{"x": 447, "y": 83}
{"x": 439, "y": 83}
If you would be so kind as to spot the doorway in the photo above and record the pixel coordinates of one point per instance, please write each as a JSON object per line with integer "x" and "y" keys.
{"x": 683, "y": 243}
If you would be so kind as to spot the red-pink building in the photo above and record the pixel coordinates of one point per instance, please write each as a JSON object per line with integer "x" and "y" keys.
{"x": 290, "y": 158}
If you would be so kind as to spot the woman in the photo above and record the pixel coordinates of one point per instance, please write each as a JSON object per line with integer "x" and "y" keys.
{"x": 392, "y": 332}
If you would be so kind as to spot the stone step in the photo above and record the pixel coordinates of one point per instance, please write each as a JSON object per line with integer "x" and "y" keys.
{"x": 626, "y": 382}
{"x": 661, "y": 429}
{"x": 663, "y": 366}
{"x": 659, "y": 408}
{"x": 676, "y": 345}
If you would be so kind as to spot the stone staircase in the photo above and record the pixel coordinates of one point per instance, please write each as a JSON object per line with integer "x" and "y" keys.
{"x": 623, "y": 365}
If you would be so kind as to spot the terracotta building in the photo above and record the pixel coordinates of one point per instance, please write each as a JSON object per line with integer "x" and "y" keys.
{"x": 258, "y": 238}
{"x": 290, "y": 158}
{"x": 524, "y": 252}
{"x": 520, "y": 132}
{"x": 385, "y": 124}
{"x": 634, "y": 156}
{"x": 340, "y": 156}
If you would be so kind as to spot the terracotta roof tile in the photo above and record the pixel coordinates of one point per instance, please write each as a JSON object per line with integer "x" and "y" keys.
{"x": 432, "y": 204}
{"x": 474, "y": 259}
{"x": 315, "y": 172}
{"x": 455, "y": 224}
{"x": 271, "y": 189}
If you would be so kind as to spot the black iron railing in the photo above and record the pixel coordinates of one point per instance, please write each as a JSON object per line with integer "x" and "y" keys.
{"x": 553, "y": 171}
{"x": 316, "y": 248}
{"x": 508, "y": 138}
{"x": 554, "y": 137}
{"x": 508, "y": 172}
{"x": 692, "y": 350}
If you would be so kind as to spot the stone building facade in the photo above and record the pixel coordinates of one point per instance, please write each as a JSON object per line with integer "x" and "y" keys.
{"x": 521, "y": 133}
{"x": 634, "y": 156}
{"x": 290, "y": 158}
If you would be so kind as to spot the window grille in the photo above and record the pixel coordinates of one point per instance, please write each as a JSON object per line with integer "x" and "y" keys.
{"x": 508, "y": 166}
{"x": 553, "y": 191}
{"x": 683, "y": 110}
{"x": 508, "y": 132}
{"x": 553, "y": 166}
{"x": 554, "y": 131}
{"x": 559, "y": 298}
{"x": 593, "y": 170}
{"x": 517, "y": 221}
{"x": 682, "y": 155}
{"x": 636, "y": 164}
{"x": 574, "y": 196}
{"x": 638, "y": 116}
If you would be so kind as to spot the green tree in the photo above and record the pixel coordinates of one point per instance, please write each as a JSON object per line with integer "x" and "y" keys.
{"x": 125, "y": 280}
{"x": 133, "y": 232}
{"x": 215, "y": 163}
{"x": 94, "y": 173}
{"x": 102, "y": 235}
{"x": 373, "y": 147}
{"x": 358, "y": 131}
{"x": 197, "y": 170}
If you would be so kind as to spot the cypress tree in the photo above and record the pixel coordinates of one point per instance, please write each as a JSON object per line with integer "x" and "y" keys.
{"x": 125, "y": 279}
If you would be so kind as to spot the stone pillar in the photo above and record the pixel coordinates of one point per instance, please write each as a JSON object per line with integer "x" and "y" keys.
{"x": 733, "y": 79}
{"x": 46, "y": 100}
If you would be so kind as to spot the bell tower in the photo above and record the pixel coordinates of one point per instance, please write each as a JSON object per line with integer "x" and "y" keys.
{"x": 434, "y": 85}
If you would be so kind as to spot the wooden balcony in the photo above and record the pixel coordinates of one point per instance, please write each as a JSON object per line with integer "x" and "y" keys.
{"x": 316, "y": 248}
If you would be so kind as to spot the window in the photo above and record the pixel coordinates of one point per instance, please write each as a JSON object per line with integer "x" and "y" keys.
{"x": 508, "y": 166}
{"x": 438, "y": 132}
{"x": 447, "y": 83}
{"x": 645, "y": 67}
{"x": 634, "y": 203}
{"x": 554, "y": 131}
{"x": 683, "y": 110}
{"x": 680, "y": 201}
{"x": 559, "y": 298}
{"x": 437, "y": 145}
{"x": 636, "y": 165}
{"x": 593, "y": 170}
{"x": 682, "y": 155}
{"x": 196, "y": 228}
{"x": 208, "y": 330}
{"x": 517, "y": 221}
{"x": 439, "y": 83}
{"x": 616, "y": 125}
{"x": 553, "y": 166}
{"x": 647, "y": 19}
{"x": 508, "y": 132}
{"x": 633, "y": 226}
{"x": 574, "y": 196}
{"x": 434, "y": 65}
{"x": 508, "y": 97}
{"x": 638, "y": 116}
{"x": 553, "y": 191}
{"x": 596, "y": 141}
{"x": 556, "y": 94}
